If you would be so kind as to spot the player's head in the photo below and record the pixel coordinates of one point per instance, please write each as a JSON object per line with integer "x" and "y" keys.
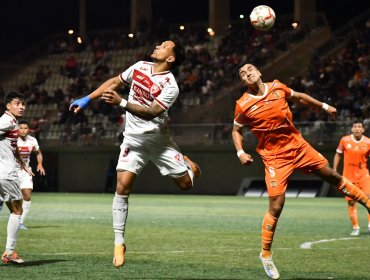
{"x": 14, "y": 102}
{"x": 24, "y": 128}
{"x": 170, "y": 51}
{"x": 357, "y": 128}
{"x": 249, "y": 74}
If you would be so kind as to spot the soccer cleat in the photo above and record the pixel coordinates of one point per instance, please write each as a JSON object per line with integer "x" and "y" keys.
{"x": 119, "y": 255}
{"x": 269, "y": 267}
{"x": 355, "y": 232}
{"x": 22, "y": 227}
{"x": 12, "y": 258}
{"x": 1, "y": 204}
{"x": 194, "y": 167}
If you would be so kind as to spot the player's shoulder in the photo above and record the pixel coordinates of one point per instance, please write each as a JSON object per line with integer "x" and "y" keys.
{"x": 275, "y": 84}
{"x": 31, "y": 139}
{"x": 367, "y": 140}
{"x": 347, "y": 138}
{"x": 244, "y": 100}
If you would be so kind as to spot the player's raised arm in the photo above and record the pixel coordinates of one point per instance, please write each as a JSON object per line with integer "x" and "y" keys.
{"x": 308, "y": 100}
{"x": 82, "y": 103}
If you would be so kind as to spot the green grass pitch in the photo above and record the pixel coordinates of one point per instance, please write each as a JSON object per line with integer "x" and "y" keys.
{"x": 70, "y": 236}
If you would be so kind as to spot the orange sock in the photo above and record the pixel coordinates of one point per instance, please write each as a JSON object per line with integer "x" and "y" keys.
{"x": 349, "y": 189}
{"x": 268, "y": 230}
{"x": 352, "y": 212}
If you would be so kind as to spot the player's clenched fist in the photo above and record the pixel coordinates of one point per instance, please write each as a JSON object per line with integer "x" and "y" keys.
{"x": 246, "y": 159}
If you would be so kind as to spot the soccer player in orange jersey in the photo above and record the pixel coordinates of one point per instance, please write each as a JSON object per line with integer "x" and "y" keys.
{"x": 356, "y": 149}
{"x": 264, "y": 109}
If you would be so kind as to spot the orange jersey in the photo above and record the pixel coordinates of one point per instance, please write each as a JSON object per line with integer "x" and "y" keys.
{"x": 355, "y": 157}
{"x": 269, "y": 118}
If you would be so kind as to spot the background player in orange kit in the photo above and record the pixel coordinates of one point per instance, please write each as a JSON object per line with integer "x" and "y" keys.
{"x": 264, "y": 109}
{"x": 356, "y": 149}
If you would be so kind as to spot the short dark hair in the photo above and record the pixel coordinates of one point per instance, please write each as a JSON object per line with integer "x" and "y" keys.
{"x": 23, "y": 122}
{"x": 13, "y": 95}
{"x": 358, "y": 121}
{"x": 178, "y": 50}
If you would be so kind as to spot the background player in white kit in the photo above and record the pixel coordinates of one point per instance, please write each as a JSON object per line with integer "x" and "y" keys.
{"x": 153, "y": 89}
{"x": 26, "y": 145}
{"x": 9, "y": 181}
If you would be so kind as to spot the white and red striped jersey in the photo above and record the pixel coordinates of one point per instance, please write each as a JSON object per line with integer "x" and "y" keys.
{"x": 26, "y": 147}
{"x": 8, "y": 145}
{"x": 145, "y": 87}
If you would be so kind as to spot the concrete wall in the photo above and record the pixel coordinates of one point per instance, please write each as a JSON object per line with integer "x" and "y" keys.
{"x": 84, "y": 170}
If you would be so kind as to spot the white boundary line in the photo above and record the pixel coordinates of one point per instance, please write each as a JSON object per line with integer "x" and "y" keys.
{"x": 308, "y": 245}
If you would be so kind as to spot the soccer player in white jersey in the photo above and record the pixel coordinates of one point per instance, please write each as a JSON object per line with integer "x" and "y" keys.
{"x": 153, "y": 89}
{"x": 9, "y": 181}
{"x": 26, "y": 145}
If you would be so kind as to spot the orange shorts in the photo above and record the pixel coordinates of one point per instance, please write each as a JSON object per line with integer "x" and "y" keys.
{"x": 279, "y": 167}
{"x": 364, "y": 185}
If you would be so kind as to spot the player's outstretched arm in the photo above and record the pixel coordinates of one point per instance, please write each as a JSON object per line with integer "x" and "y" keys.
{"x": 308, "y": 100}
{"x": 82, "y": 103}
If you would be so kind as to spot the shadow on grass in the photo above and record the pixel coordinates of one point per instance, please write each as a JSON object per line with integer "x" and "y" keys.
{"x": 36, "y": 227}
{"x": 33, "y": 263}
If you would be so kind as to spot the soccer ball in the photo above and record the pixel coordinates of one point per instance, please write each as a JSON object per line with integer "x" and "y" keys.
{"x": 262, "y": 17}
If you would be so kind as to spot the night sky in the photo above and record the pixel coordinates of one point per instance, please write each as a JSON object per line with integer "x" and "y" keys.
{"x": 24, "y": 23}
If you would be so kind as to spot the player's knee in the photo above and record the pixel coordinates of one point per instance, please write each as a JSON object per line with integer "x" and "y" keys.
{"x": 185, "y": 185}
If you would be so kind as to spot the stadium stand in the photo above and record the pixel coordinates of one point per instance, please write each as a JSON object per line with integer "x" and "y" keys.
{"x": 66, "y": 70}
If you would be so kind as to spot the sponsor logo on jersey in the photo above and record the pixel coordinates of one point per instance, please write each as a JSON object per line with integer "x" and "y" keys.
{"x": 155, "y": 90}
{"x": 254, "y": 107}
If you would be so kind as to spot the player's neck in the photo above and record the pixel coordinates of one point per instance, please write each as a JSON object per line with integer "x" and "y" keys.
{"x": 23, "y": 137}
{"x": 160, "y": 67}
{"x": 357, "y": 138}
{"x": 257, "y": 89}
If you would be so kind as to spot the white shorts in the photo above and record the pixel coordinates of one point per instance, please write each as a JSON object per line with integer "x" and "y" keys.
{"x": 25, "y": 180}
{"x": 161, "y": 150}
{"x": 10, "y": 191}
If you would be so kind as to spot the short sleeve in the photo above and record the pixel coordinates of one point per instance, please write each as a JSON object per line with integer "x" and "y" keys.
{"x": 239, "y": 117}
{"x": 340, "y": 148}
{"x": 126, "y": 76}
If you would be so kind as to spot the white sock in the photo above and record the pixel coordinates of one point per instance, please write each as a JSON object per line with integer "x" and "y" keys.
{"x": 119, "y": 213}
{"x": 191, "y": 173}
{"x": 12, "y": 230}
{"x": 26, "y": 208}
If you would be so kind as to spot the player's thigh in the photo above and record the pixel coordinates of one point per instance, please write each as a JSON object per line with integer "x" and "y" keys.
{"x": 277, "y": 172}
{"x": 133, "y": 156}
{"x": 309, "y": 160}
{"x": 9, "y": 190}
{"x": 25, "y": 180}
{"x": 169, "y": 160}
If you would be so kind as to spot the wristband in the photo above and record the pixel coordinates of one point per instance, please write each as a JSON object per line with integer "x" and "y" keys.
{"x": 123, "y": 103}
{"x": 240, "y": 152}
{"x": 325, "y": 106}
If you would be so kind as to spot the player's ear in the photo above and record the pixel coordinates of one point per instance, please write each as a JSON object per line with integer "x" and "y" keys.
{"x": 170, "y": 59}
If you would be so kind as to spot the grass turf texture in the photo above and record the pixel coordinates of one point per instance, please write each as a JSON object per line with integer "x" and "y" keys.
{"x": 70, "y": 236}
